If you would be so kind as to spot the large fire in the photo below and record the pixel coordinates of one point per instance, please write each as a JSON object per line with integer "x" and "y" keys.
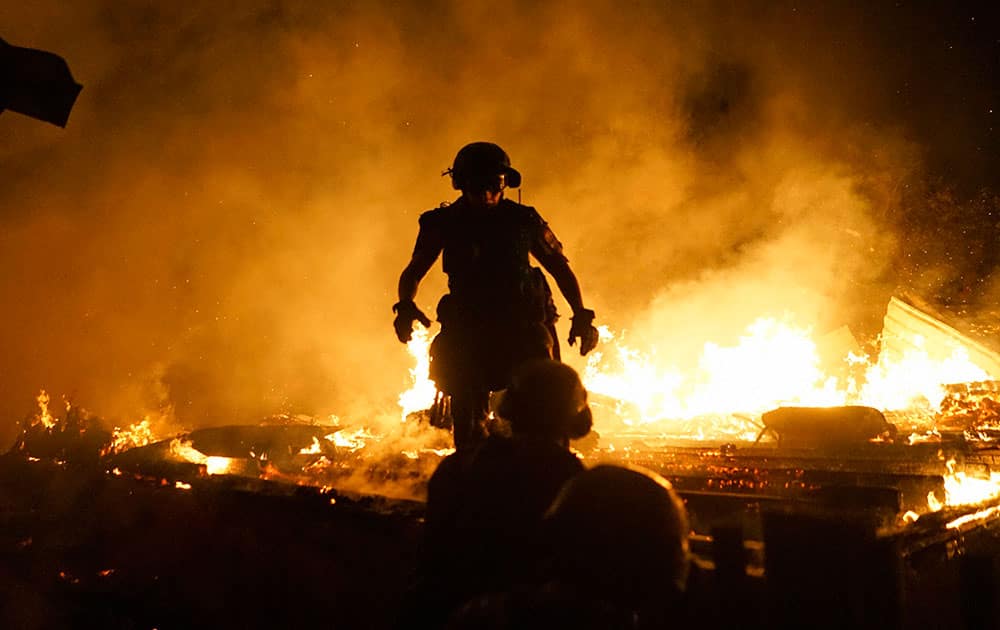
{"x": 916, "y": 380}
{"x": 774, "y": 363}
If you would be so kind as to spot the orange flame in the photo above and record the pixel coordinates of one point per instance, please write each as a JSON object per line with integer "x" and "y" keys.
{"x": 214, "y": 465}
{"x": 962, "y": 489}
{"x": 774, "y": 363}
{"x": 422, "y": 390}
{"x": 312, "y": 449}
{"x": 135, "y": 435}
{"x": 898, "y": 382}
{"x": 44, "y": 417}
{"x": 350, "y": 440}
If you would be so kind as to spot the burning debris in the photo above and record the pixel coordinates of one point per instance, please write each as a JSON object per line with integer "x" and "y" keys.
{"x": 919, "y": 469}
{"x": 790, "y": 407}
{"x": 778, "y": 364}
{"x": 731, "y": 164}
{"x": 73, "y": 436}
{"x": 973, "y": 408}
{"x": 133, "y": 436}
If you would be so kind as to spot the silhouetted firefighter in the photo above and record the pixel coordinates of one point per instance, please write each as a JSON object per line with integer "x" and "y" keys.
{"x": 499, "y": 311}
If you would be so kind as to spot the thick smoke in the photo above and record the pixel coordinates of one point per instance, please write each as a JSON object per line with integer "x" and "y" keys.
{"x": 218, "y": 233}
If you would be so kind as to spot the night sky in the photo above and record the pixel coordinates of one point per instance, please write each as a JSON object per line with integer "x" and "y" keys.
{"x": 941, "y": 66}
{"x": 217, "y": 234}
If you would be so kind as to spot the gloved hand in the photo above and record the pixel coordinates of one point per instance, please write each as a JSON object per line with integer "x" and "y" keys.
{"x": 406, "y": 314}
{"x": 583, "y": 328}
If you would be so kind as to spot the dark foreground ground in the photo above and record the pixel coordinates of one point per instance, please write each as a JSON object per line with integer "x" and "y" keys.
{"x": 84, "y": 549}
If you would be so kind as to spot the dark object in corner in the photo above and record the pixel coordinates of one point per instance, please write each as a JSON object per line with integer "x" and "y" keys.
{"x": 36, "y": 83}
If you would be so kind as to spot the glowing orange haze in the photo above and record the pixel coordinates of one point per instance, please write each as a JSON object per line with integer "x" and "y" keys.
{"x": 233, "y": 251}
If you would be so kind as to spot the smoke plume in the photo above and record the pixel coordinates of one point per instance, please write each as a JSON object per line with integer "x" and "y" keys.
{"x": 218, "y": 233}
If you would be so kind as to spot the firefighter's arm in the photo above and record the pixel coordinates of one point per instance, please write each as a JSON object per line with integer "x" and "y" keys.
{"x": 569, "y": 286}
{"x": 548, "y": 252}
{"x": 415, "y": 271}
{"x": 426, "y": 251}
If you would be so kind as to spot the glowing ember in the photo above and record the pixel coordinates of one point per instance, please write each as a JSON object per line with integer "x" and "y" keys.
{"x": 921, "y": 438}
{"x": 421, "y": 394}
{"x": 961, "y": 489}
{"x": 933, "y": 503}
{"x": 183, "y": 449}
{"x": 970, "y": 518}
{"x": 218, "y": 465}
{"x": 312, "y": 449}
{"x": 437, "y": 452}
{"x": 350, "y": 440}
{"x": 318, "y": 466}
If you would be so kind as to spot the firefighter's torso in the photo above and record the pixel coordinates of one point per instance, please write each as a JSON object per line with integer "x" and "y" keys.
{"x": 485, "y": 251}
{"x": 492, "y": 318}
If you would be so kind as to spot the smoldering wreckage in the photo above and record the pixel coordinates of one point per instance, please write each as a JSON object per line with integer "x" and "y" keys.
{"x": 853, "y": 506}
{"x": 873, "y": 518}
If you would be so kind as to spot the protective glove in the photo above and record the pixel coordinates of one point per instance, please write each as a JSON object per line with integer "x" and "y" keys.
{"x": 583, "y": 328}
{"x": 407, "y": 313}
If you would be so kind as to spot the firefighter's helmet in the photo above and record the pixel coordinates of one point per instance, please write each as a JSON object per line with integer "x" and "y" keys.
{"x": 547, "y": 398}
{"x": 624, "y": 530}
{"x": 478, "y": 163}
